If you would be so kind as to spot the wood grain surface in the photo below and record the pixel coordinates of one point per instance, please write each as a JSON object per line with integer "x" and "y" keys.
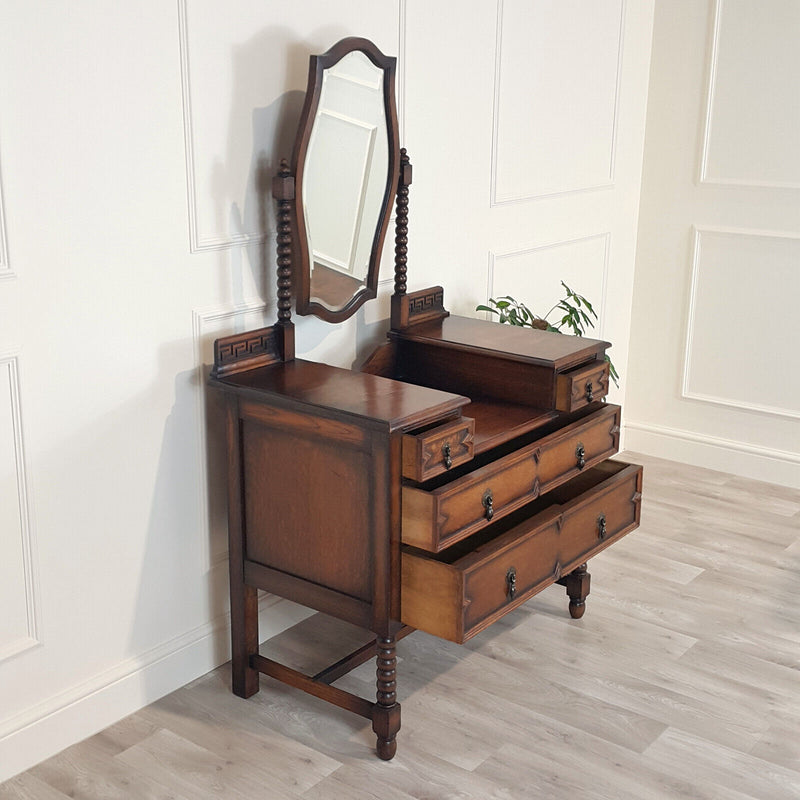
{"x": 681, "y": 681}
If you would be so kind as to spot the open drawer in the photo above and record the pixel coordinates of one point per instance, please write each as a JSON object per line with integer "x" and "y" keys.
{"x": 579, "y": 387}
{"x": 431, "y": 451}
{"x": 457, "y": 593}
{"x": 454, "y": 506}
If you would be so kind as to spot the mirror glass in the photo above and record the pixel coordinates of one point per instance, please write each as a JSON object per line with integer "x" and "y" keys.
{"x": 345, "y": 178}
{"x": 346, "y": 166}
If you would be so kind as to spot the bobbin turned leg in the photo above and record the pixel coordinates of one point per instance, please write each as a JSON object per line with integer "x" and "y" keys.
{"x": 577, "y": 583}
{"x": 386, "y": 711}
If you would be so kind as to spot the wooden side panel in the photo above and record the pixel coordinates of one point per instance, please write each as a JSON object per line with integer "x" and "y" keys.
{"x": 420, "y": 520}
{"x": 381, "y": 361}
{"x": 475, "y": 374}
{"x": 307, "y": 507}
{"x": 432, "y": 597}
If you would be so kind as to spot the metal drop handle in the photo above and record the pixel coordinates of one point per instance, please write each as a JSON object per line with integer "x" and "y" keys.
{"x": 580, "y": 455}
{"x": 601, "y": 526}
{"x": 511, "y": 582}
{"x": 448, "y": 461}
{"x": 488, "y": 504}
{"x": 589, "y": 391}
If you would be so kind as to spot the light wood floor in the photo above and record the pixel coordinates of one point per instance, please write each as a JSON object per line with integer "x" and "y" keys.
{"x": 680, "y": 681}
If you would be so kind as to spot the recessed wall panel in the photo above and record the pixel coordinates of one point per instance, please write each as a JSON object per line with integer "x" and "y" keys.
{"x": 17, "y": 620}
{"x": 557, "y": 76}
{"x": 741, "y": 345}
{"x": 753, "y": 114}
{"x": 245, "y": 67}
{"x": 533, "y": 275}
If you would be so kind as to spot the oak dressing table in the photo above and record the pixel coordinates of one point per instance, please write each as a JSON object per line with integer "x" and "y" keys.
{"x": 460, "y": 471}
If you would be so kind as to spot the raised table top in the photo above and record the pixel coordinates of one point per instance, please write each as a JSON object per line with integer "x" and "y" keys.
{"x": 509, "y": 342}
{"x": 398, "y": 405}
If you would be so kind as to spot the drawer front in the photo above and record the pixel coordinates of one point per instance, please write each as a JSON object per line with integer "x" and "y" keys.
{"x": 457, "y": 600}
{"x": 579, "y": 387}
{"x": 435, "y": 519}
{"x": 437, "y": 450}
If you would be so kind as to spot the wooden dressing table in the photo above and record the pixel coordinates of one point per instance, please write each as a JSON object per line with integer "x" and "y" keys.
{"x": 462, "y": 470}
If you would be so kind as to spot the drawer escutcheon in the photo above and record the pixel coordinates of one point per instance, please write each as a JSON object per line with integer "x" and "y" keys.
{"x": 446, "y": 457}
{"x": 580, "y": 455}
{"x": 511, "y": 582}
{"x": 601, "y": 526}
{"x": 488, "y": 504}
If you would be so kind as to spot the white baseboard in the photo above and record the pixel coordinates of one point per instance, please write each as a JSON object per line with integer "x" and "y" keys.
{"x": 28, "y": 738}
{"x": 727, "y": 455}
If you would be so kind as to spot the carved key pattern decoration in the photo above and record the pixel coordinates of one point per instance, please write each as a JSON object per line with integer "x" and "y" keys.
{"x": 426, "y": 302}
{"x": 258, "y": 344}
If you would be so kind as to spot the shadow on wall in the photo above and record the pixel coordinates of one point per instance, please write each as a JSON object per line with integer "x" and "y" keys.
{"x": 269, "y": 57}
{"x": 175, "y": 567}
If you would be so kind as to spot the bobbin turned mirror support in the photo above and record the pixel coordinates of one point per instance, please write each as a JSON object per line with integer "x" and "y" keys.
{"x": 283, "y": 190}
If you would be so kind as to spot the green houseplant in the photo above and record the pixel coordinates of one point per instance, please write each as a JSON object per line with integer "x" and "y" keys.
{"x": 577, "y": 316}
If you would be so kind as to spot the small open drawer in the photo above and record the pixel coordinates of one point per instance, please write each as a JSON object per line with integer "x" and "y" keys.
{"x": 460, "y": 591}
{"x": 435, "y": 450}
{"x": 579, "y": 387}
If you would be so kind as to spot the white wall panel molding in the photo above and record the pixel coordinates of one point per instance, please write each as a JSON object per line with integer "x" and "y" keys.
{"x": 744, "y": 284}
{"x": 198, "y": 241}
{"x": 752, "y": 111}
{"x": 582, "y": 263}
{"x": 400, "y": 74}
{"x": 80, "y": 711}
{"x": 19, "y": 628}
{"x": 713, "y": 452}
{"x": 5, "y": 266}
{"x": 555, "y": 133}
{"x": 265, "y": 95}
{"x": 209, "y": 324}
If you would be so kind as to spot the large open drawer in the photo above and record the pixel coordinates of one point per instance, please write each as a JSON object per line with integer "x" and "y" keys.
{"x": 457, "y": 593}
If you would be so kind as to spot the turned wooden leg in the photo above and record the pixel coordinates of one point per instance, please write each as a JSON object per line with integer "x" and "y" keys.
{"x": 577, "y": 583}
{"x": 386, "y": 711}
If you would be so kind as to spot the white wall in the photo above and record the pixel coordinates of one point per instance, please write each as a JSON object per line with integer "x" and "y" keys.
{"x": 133, "y": 142}
{"x": 714, "y": 365}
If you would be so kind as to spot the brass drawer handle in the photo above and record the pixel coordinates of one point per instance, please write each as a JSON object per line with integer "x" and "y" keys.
{"x": 601, "y": 527}
{"x": 448, "y": 461}
{"x": 589, "y": 392}
{"x": 488, "y": 504}
{"x": 511, "y": 583}
{"x": 580, "y": 455}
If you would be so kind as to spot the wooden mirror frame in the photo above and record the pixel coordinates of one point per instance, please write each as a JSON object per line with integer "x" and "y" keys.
{"x": 302, "y": 257}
